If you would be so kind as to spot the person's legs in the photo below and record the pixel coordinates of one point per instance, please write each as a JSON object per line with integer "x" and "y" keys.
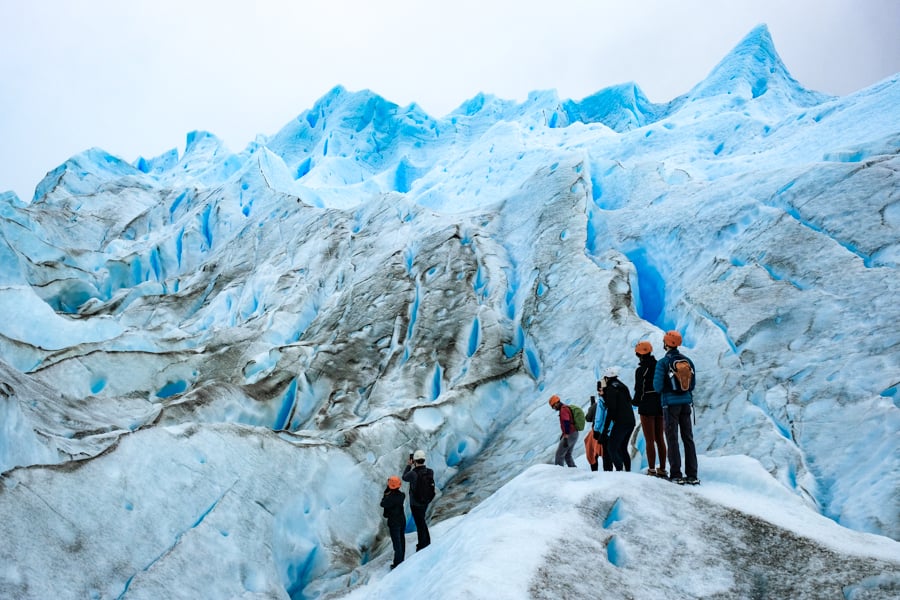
{"x": 687, "y": 438}
{"x": 607, "y": 456}
{"x": 647, "y": 427}
{"x": 618, "y": 443}
{"x": 399, "y": 542}
{"x": 573, "y": 439}
{"x": 418, "y": 513}
{"x": 561, "y": 450}
{"x": 672, "y": 441}
{"x": 659, "y": 436}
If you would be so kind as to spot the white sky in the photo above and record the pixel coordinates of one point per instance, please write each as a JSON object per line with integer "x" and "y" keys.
{"x": 134, "y": 77}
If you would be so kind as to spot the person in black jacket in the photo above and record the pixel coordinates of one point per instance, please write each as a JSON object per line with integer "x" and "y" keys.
{"x": 392, "y": 503}
{"x": 414, "y": 468}
{"x": 621, "y": 416}
{"x": 650, "y": 409}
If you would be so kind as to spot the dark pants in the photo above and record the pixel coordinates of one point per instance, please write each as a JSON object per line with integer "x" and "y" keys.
{"x": 564, "y": 450}
{"x": 398, "y": 539}
{"x": 654, "y": 429}
{"x": 678, "y": 417}
{"x": 418, "y": 513}
{"x": 618, "y": 446}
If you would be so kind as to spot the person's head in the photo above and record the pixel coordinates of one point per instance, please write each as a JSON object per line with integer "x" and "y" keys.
{"x": 672, "y": 339}
{"x": 393, "y": 482}
{"x": 610, "y": 373}
{"x": 555, "y": 402}
{"x": 643, "y": 349}
{"x": 419, "y": 457}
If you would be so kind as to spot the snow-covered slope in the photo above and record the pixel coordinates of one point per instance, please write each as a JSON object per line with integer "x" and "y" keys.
{"x": 370, "y": 280}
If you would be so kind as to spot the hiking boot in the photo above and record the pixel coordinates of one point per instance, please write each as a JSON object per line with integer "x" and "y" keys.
{"x": 652, "y": 473}
{"x": 691, "y": 481}
{"x": 662, "y": 473}
{"x": 678, "y": 480}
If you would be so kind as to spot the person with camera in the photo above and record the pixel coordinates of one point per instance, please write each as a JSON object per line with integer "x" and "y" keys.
{"x": 620, "y": 420}
{"x": 421, "y": 493}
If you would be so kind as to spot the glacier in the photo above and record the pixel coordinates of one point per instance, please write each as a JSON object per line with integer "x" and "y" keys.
{"x": 211, "y": 361}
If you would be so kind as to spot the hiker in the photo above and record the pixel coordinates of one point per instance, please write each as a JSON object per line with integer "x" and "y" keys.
{"x": 676, "y": 405}
{"x": 569, "y": 433}
{"x": 421, "y": 492}
{"x": 600, "y": 433}
{"x": 592, "y": 448}
{"x": 392, "y": 503}
{"x": 620, "y": 416}
{"x": 646, "y": 398}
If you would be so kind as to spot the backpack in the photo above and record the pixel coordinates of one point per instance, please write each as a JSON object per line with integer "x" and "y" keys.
{"x": 681, "y": 374}
{"x": 577, "y": 417}
{"x": 424, "y": 489}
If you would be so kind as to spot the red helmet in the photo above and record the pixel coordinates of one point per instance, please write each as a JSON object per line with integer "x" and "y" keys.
{"x": 672, "y": 339}
{"x": 393, "y": 482}
{"x": 644, "y": 347}
{"x": 554, "y": 399}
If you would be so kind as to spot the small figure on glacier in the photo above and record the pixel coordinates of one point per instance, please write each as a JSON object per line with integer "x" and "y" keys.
{"x": 646, "y": 398}
{"x": 619, "y": 419}
{"x": 569, "y": 433}
{"x": 392, "y": 503}
{"x": 599, "y": 431}
{"x": 421, "y": 493}
{"x": 674, "y": 378}
{"x": 592, "y": 448}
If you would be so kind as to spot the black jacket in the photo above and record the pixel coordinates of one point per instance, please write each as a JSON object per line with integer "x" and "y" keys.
{"x": 645, "y": 397}
{"x": 411, "y": 475}
{"x": 618, "y": 404}
{"x": 392, "y": 503}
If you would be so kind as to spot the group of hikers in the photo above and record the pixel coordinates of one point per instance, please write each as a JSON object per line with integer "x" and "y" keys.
{"x": 663, "y": 395}
{"x": 421, "y": 493}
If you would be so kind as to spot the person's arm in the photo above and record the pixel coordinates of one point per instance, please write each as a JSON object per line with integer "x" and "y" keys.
{"x": 659, "y": 376}
{"x": 612, "y": 399}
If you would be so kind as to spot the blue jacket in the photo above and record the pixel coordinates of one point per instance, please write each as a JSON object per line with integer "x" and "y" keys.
{"x": 600, "y": 416}
{"x": 662, "y": 384}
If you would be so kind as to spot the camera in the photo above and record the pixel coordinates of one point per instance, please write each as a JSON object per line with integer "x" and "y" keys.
{"x": 410, "y": 456}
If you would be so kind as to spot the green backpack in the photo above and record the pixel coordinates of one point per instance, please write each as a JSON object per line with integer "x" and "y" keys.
{"x": 577, "y": 417}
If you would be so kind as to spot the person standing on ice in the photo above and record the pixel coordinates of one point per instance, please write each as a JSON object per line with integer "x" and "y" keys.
{"x": 646, "y": 398}
{"x": 421, "y": 492}
{"x": 599, "y": 431}
{"x": 676, "y": 405}
{"x": 620, "y": 417}
{"x": 392, "y": 503}
{"x": 592, "y": 448}
{"x": 569, "y": 433}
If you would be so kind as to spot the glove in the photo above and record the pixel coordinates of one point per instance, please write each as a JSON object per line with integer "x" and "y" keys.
{"x": 596, "y": 436}
{"x": 604, "y": 438}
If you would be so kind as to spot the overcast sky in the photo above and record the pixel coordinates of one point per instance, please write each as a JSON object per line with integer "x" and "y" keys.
{"x": 133, "y": 77}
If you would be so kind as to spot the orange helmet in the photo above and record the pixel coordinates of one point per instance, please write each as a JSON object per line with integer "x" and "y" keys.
{"x": 393, "y": 482}
{"x": 644, "y": 347}
{"x": 554, "y": 399}
{"x": 672, "y": 339}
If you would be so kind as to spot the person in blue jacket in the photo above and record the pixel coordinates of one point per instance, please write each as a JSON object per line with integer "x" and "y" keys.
{"x": 677, "y": 413}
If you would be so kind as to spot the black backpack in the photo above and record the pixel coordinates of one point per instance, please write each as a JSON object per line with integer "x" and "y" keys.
{"x": 424, "y": 491}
